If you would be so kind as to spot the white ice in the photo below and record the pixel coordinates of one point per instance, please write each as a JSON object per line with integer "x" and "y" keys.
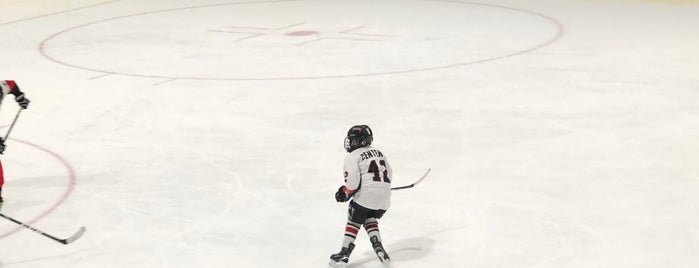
{"x": 208, "y": 133}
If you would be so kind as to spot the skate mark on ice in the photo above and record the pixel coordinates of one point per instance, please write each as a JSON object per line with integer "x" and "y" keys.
{"x": 27, "y": 261}
{"x": 164, "y": 81}
{"x": 580, "y": 225}
{"x": 99, "y": 76}
{"x": 260, "y": 199}
{"x": 403, "y": 250}
{"x": 57, "y": 12}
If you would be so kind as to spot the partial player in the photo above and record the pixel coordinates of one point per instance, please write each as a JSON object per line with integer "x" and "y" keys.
{"x": 9, "y": 87}
{"x": 368, "y": 184}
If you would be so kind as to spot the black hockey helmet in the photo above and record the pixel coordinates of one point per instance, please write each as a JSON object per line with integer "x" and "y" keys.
{"x": 358, "y": 136}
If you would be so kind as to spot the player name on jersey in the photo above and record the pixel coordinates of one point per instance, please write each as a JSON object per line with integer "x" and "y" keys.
{"x": 371, "y": 153}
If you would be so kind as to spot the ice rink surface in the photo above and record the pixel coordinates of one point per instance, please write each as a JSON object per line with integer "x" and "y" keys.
{"x": 209, "y": 133}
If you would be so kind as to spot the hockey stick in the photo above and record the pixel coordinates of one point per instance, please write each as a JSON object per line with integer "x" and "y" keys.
{"x": 414, "y": 183}
{"x": 66, "y": 241}
{"x": 13, "y": 124}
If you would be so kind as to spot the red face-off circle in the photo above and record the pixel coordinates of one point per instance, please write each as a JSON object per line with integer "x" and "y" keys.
{"x": 71, "y": 178}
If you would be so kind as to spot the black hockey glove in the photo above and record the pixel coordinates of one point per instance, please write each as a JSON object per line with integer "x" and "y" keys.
{"x": 2, "y": 145}
{"x": 341, "y": 196}
{"x": 22, "y": 101}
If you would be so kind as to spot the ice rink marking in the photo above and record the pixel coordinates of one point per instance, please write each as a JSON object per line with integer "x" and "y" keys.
{"x": 57, "y": 12}
{"x": 559, "y": 31}
{"x": 72, "y": 178}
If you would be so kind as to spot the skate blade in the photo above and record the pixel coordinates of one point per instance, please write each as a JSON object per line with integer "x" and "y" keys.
{"x": 382, "y": 258}
{"x": 334, "y": 264}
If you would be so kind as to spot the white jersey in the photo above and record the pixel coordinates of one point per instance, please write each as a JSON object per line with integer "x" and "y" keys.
{"x": 368, "y": 172}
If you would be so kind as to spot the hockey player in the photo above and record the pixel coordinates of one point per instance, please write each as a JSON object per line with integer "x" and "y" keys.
{"x": 368, "y": 183}
{"x": 9, "y": 87}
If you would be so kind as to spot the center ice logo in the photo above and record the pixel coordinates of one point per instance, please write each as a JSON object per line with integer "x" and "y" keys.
{"x": 308, "y": 32}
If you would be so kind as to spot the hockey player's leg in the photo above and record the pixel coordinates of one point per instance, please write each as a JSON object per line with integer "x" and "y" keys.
{"x": 356, "y": 216}
{"x": 340, "y": 259}
{"x": 372, "y": 228}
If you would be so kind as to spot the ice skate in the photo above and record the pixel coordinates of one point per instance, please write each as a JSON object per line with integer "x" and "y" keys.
{"x": 380, "y": 251}
{"x": 339, "y": 260}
